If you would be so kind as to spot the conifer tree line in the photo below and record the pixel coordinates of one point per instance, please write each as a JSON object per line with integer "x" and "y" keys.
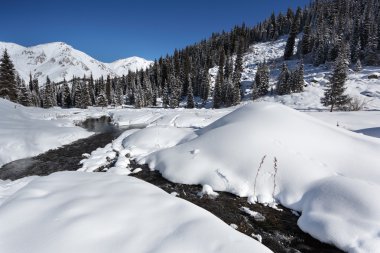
{"x": 183, "y": 77}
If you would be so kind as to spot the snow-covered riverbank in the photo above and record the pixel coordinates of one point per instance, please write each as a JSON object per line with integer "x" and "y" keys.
{"x": 324, "y": 170}
{"x": 29, "y": 131}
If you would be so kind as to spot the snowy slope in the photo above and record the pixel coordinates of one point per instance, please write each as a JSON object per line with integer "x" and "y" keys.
{"x": 101, "y": 213}
{"x": 359, "y": 86}
{"x": 59, "y": 60}
{"x": 326, "y": 172}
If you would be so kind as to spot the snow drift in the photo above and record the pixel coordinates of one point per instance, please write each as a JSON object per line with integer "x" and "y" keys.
{"x": 98, "y": 213}
{"x": 312, "y": 156}
{"x": 27, "y": 131}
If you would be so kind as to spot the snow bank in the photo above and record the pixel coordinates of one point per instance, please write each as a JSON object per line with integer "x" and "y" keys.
{"x": 180, "y": 117}
{"x": 343, "y": 211}
{"x": 102, "y": 157}
{"x": 135, "y": 142}
{"x": 98, "y": 213}
{"x": 26, "y": 131}
{"x": 309, "y": 152}
{"x": 151, "y": 139}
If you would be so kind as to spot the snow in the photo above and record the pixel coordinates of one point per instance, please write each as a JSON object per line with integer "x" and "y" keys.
{"x": 102, "y": 157}
{"x": 59, "y": 60}
{"x": 256, "y": 215}
{"x": 27, "y": 131}
{"x": 258, "y": 237}
{"x": 180, "y": 117}
{"x": 208, "y": 191}
{"x": 159, "y": 137}
{"x": 97, "y": 213}
{"x": 309, "y": 152}
{"x": 328, "y": 163}
{"x": 343, "y": 211}
{"x": 123, "y": 66}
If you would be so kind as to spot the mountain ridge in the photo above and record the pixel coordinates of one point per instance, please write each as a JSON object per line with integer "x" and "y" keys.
{"x": 59, "y": 60}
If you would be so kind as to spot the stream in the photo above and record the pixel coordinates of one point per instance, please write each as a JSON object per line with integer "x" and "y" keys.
{"x": 278, "y": 231}
{"x": 67, "y": 157}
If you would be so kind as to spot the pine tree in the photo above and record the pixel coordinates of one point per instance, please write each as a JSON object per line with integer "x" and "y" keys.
{"x": 30, "y": 82}
{"x": 237, "y": 75}
{"x": 48, "y": 95}
{"x": 229, "y": 97}
{"x": 155, "y": 96}
{"x": 290, "y": 43}
{"x": 358, "y": 66}
{"x": 320, "y": 54}
{"x": 91, "y": 89}
{"x": 66, "y": 96}
{"x": 25, "y": 96}
{"x": 205, "y": 86}
{"x": 175, "y": 93}
{"x": 334, "y": 94}
{"x": 147, "y": 89}
{"x": 78, "y": 95}
{"x": 190, "y": 95}
{"x": 226, "y": 83}
{"x": 85, "y": 95}
{"x": 355, "y": 41}
{"x": 218, "y": 98}
{"x": 101, "y": 99}
{"x": 139, "y": 96}
{"x": 165, "y": 96}
{"x": 109, "y": 90}
{"x": 283, "y": 86}
{"x": 306, "y": 41}
{"x": 35, "y": 91}
{"x": 8, "y": 86}
{"x": 262, "y": 79}
{"x": 300, "y": 83}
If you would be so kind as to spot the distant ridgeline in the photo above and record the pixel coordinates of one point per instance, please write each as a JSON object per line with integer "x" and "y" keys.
{"x": 350, "y": 28}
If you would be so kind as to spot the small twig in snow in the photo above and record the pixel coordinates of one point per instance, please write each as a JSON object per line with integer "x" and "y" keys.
{"x": 257, "y": 174}
{"x": 274, "y": 175}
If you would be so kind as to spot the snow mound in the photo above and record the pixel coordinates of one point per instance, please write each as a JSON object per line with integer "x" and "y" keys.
{"x": 345, "y": 210}
{"x": 307, "y": 151}
{"x": 98, "y": 213}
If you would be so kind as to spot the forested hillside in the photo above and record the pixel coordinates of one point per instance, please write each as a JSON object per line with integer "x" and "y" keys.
{"x": 327, "y": 28}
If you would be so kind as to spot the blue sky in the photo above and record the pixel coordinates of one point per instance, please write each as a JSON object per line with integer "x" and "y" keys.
{"x": 112, "y": 29}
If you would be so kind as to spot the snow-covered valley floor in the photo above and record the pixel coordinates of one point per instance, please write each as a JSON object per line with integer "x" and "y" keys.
{"x": 328, "y": 170}
{"x": 284, "y": 150}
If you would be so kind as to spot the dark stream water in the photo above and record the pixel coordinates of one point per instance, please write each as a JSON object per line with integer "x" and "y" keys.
{"x": 279, "y": 231}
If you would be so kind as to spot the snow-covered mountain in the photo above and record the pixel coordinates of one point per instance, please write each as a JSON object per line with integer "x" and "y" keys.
{"x": 121, "y": 67}
{"x": 59, "y": 60}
